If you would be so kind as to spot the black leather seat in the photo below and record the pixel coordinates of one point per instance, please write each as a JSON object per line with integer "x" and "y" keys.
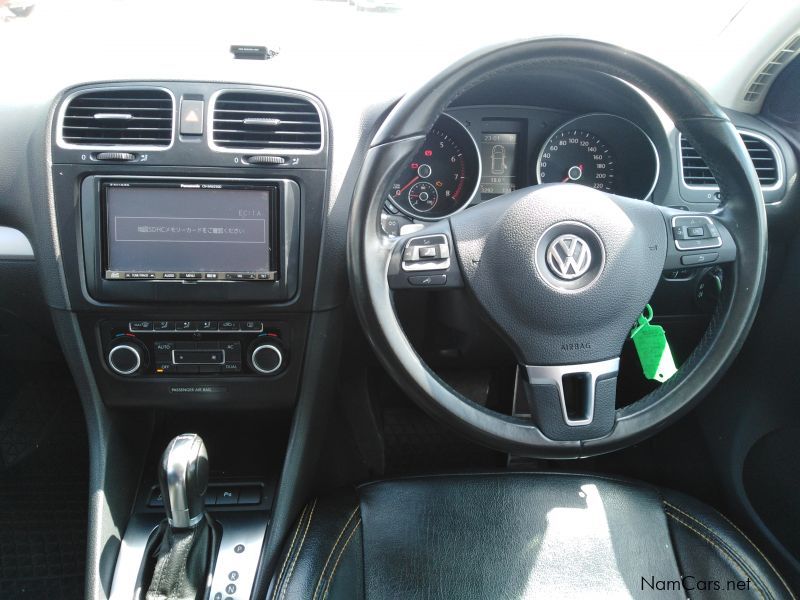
{"x": 518, "y": 536}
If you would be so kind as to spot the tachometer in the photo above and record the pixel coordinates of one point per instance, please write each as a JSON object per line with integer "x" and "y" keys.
{"x": 576, "y": 156}
{"x": 442, "y": 177}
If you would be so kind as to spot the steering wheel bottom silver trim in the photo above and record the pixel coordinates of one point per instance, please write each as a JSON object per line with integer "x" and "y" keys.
{"x": 555, "y": 374}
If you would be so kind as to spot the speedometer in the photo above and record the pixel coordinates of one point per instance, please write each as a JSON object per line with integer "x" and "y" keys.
{"x": 442, "y": 177}
{"x": 576, "y": 156}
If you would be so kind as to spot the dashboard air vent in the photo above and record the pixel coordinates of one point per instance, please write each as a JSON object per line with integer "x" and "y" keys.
{"x": 696, "y": 172}
{"x": 119, "y": 117}
{"x": 266, "y": 121}
{"x": 769, "y": 70}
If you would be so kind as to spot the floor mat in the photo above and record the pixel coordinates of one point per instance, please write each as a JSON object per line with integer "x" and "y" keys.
{"x": 44, "y": 495}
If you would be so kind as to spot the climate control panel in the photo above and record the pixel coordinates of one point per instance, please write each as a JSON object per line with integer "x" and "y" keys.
{"x": 194, "y": 348}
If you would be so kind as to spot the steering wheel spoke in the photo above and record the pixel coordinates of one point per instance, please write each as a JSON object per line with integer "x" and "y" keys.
{"x": 569, "y": 402}
{"x": 425, "y": 260}
{"x": 696, "y": 239}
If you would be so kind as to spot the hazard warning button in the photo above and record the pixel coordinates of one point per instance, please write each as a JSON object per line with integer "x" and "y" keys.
{"x": 192, "y": 117}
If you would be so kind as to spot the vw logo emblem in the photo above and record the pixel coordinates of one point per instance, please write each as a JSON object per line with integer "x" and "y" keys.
{"x": 568, "y": 257}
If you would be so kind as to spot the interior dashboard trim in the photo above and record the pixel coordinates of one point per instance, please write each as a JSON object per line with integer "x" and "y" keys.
{"x": 418, "y": 217}
{"x": 65, "y": 102}
{"x": 14, "y": 245}
{"x": 779, "y": 163}
{"x": 315, "y": 102}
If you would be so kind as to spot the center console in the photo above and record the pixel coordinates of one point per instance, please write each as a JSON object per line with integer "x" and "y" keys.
{"x": 189, "y": 252}
{"x": 187, "y": 222}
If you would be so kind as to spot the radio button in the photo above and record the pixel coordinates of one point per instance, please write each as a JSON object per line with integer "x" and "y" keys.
{"x": 233, "y": 351}
{"x": 251, "y": 325}
{"x": 198, "y": 357}
{"x": 140, "y": 326}
{"x": 207, "y": 326}
{"x": 228, "y": 326}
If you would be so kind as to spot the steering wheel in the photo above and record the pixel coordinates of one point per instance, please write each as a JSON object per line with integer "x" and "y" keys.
{"x": 561, "y": 271}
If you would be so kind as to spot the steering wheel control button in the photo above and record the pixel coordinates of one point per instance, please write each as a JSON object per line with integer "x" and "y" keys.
{"x": 428, "y": 280}
{"x": 695, "y": 232}
{"x": 427, "y": 253}
{"x": 699, "y": 259}
{"x": 569, "y": 256}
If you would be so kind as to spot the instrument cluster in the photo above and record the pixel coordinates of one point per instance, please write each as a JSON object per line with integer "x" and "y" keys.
{"x": 472, "y": 155}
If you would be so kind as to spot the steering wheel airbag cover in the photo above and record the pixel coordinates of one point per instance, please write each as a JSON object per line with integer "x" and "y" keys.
{"x": 502, "y": 248}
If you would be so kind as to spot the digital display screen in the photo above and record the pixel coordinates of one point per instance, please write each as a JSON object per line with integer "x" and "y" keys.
{"x": 498, "y": 157}
{"x": 187, "y": 232}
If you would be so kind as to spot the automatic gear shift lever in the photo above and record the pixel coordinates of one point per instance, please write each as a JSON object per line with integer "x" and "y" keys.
{"x": 183, "y": 476}
{"x": 182, "y": 549}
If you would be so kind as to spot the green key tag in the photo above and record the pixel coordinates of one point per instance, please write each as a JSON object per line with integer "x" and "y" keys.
{"x": 652, "y": 347}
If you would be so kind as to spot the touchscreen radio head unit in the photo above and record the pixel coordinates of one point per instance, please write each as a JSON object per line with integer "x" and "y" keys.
{"x": 189, "y": 231}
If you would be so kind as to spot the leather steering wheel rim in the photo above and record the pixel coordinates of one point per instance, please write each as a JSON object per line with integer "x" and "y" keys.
{"x": 742, "y": 212}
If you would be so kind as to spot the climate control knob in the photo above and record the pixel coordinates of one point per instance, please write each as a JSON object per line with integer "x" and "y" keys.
{"x": 267, "y": 356}
{"x": 126, "y": 356}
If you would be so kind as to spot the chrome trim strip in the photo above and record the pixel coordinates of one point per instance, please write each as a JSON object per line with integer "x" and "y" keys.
{"x": 120, "y": 371}
{"x": 602, "y": 114}
{"x": 315, "y": 102}
{"x": 553, "y": 375}
{"x": 125, "y": 116}
{"x": 418, "y": 217}
{"x": 267, "y": 371}
{"x": 779, "y": 165}
{"x": 14, "y": 244}
{"x": 130, "y": 148}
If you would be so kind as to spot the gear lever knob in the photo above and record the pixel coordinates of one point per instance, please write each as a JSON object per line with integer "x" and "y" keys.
{"x": 183, "y": 476}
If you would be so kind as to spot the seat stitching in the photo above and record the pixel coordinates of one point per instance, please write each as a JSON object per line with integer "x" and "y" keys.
{"x": 730, "y": 554}
{"x": 333, "y": 549}
{"x": 289, "y": 552}
{"x": 737, "y": 529}
{"x": 757, "y": 549}
{"x": 339, "y": 558}
{"x": 299, "y": 549}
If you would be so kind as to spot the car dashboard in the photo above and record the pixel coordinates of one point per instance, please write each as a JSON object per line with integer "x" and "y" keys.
{"x": 227, "y": 290}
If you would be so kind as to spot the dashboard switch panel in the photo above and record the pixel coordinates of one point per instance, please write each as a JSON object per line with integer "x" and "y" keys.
{"x": 209, "y": 348}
